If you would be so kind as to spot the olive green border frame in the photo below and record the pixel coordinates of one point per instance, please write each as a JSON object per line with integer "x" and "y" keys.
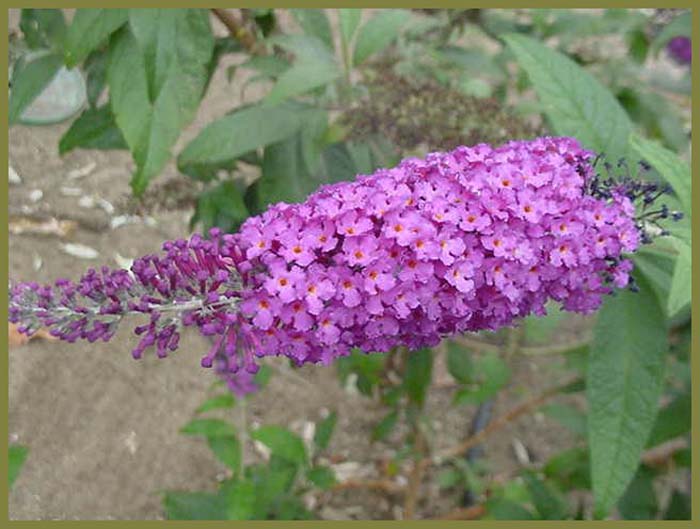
{"x": 695, "y": 361}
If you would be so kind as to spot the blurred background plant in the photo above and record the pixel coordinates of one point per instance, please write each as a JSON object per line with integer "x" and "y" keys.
{"x": 348, "y": 91}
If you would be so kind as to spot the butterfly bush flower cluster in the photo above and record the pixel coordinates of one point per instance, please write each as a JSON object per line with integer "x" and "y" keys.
{"x": 461, "y": 241}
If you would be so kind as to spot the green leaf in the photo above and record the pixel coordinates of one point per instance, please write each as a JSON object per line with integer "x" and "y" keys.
{"x": 385, "y": 426}
{"x": 639, "y": 501}
{"x": 490, "y": 375}
{"x": 88, "y": 30}
{"x": 240, "y": 501}
{"x": 459, "y": 362}
{"x": 567, "y": 416}
{"x": 680, "y": 293}
{"x": 324, "y": 431}
{"x": 17, "y": 455}
{"x": 241, "y": 132}
{"x": 93, "y": 129}
{"x": 227, "y": 449}
{"x": 281, "y": 443}
{"x": 673, "y": 420}
{"x": 322, "y": 477}
{"x": 681, "y": 26}
{"x": 657, "y": 267}
{"x": 502, "y": 509}
{"x": 269, "y": 65}
{"x": 378, "y": 33}
{"x": 679, "y": 508}
{"x": 28, "y": 81}
{"x": 674, "y": 170}
{"x": 225, "y": 400}
{"x": 156, "y": 82}
{"x": 262, "y": 377}
{"x": 43, "y": 28}
{"x": 315, "y": 22}
{"x": 575, "y": 102}
{"x": 209, "y": 428}
{"x": 367, "y": 367}
{"x": 95, "y": 69}
{"x": 221, "y": 206}
{"x": 638, "y": 45}
{"x": 569, "y": 469}
{"x": 418, "y": 375}
{"x": 301, "y": 78}
{"x": 194, "y": 506}
{"x": 349, "y": 20}
{"x": 549, "y": 504}
{"x": 624, "y": 383}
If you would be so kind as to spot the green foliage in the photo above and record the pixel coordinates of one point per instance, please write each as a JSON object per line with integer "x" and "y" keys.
{"x": 367, "y": 368}
{"x": 378, "y": 33}
{"x": 94, "y": 129}
{"x": 324, "y": 431}
{"x": 459, "y": 362}
{"x": 315, "y": 22}
{"x": 573, "y": 100}
{"x": 209, "y": 428}
{"x": 223, "y": 401}
{"x": 43, "y": 28}
{"x": 194, "y": 506}
{"x": 156, "y": 77}
{"x": 28, "y": 80}
{"x": 89, "y": 29}
{"x": 282, "y": 443}
{"x": 490, "y": 374}
{"x": 624, "y": 383}
{"x": 220, "y": 206}
{"x": 321, "y": 477}
{"x": 681, "y": 26}
{"x": 384, "y": 427}
{"x": 17, "y": 455}
{"x": 418, "y": 374}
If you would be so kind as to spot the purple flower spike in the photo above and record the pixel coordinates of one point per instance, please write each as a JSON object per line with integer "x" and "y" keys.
{"x": 461, "y": 241}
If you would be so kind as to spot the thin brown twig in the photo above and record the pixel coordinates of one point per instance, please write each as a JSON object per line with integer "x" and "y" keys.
{"x": 238, "y": 31}
{"x": 464, "y": 513}
{"x": 503, "y": 420}
{"x": 416, "y": 477}
{"x": 381, "y": 485}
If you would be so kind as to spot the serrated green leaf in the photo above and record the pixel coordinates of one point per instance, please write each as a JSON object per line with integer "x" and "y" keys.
{"x": 17, "y": 455}
{"x": 28, "y": 81}
{"x": 209, "y": 428}
{"x": 679, "y": 295}
{"x": 674, "y": 170}
{"x": 156, "y": 82}
{"x": 315, "y": 22}
{"x": 322, "y": 477}
{"x": 324, "y": 431}
{"x": 378, "y": 33}
{"x": 301, "y": 78}
{"x": 194, "y": 506}
{"x": 282, "y": 443}
{"x": 575, "y": 102}
{"x": 459, "y": 362}
{"x": 93, "y": 129}
{"x": 225, "y": 400}
{"x": 624, "y": 383}
{"x": 88, "y": 30}
{"x": 385, "y": 426}
{"x": 418, "y": 375}
{"x": 43, "y": 28}
{"x": 349, "y": 19}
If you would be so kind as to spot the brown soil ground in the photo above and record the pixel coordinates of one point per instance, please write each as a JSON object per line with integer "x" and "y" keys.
{"x": 102, "y": 429}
